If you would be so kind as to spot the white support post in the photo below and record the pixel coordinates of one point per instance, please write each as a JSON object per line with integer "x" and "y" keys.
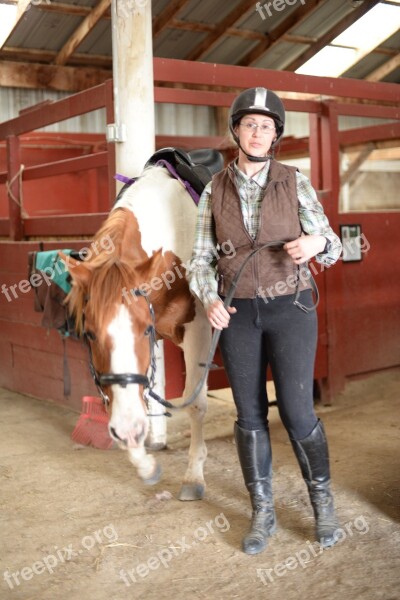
{"x": 134, "y": 129}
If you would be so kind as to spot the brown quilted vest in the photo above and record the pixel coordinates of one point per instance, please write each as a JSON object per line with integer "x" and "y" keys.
{"x": 271, "y": 272}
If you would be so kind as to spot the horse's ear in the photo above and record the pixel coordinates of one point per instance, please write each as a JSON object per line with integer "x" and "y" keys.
{"x": 151, "y": 266}
{"x": 78, "y": 270}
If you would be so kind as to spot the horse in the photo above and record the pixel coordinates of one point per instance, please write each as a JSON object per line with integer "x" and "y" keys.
{"x": 140, "y": 271}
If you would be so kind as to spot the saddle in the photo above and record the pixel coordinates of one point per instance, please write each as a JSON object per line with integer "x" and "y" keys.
{"x": 194, "y": 169}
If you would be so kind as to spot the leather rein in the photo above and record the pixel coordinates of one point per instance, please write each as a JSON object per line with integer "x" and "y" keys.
{"x": 148, "y": 381}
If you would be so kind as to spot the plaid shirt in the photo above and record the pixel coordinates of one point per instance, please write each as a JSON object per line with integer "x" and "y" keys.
{"x": 202, "y": 273}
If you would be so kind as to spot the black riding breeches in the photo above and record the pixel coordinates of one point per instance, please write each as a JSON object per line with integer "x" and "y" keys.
{"x": 279, "y": 334}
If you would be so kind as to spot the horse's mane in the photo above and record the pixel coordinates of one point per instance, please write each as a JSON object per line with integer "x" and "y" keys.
{"x": 111, "y": 270}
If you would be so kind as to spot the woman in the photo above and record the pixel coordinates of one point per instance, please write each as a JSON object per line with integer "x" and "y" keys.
{"x": 256, "y": 200}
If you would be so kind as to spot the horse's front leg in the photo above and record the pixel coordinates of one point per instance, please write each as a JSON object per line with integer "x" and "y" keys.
{"x": 196, "y": 343}
{"x": 146, "y": 465}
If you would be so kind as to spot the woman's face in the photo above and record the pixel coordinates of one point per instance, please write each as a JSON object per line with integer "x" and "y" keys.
{"x": 256, "y": 134}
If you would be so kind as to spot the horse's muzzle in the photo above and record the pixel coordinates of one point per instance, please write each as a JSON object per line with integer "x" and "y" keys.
{"x": 132, "y": 439}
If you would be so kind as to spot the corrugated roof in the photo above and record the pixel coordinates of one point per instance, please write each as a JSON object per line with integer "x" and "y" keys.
{"x": 275, "y": 38}
{"x": 43, "y": 30}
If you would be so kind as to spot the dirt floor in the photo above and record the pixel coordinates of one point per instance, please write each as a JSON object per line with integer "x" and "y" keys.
{"x": 78, "y": 525}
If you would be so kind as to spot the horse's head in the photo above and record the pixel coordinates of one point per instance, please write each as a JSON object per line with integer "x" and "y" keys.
{"x": 114, "y": 315}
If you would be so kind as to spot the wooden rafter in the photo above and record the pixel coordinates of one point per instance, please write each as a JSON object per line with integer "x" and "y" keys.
{"x": 330, "y": 35}
{"x": 187, "y": 26}
{"x": 386, "y": 154}
{"x": 208, "y": 28}
{"x": 52, "y": 77}
{"x": 388, "y": 67}
{"x": 389, "y": 146}
{"x": 81, "y": 32}
{"x": 282, "y": 30}
{"x": 68, "y": 9}
{"x": 356, "y": 163}
{"x": 163, "y": 20}
{"x": 49, "y": 56}
{"x": 220, "y": 30}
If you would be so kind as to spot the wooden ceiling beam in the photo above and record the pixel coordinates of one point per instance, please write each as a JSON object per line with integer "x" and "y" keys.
{"x": 68, "y": 9}
{"x": 356, "y": 163}
{"x": 276, "y": 35}
{"x": 220, "y": 30}
{"x": 330, "y": 35}
{"x": 245, "y": 34}
{"x": 386, "y": 154}
{"x": 26, "y": 54}
{"x": 189, "y": 26}
{"x": 298, "y": 39}
{"x": 48, "y": 57}
{"x": 81, "y": 32}
{"x": 387, "y": 51}
{"x": 388, "y": 67}
{"x": 208, "y": 28}
{"x": 163, "y": 20}
{"x": 385, "y": 145}
{"x": 52, "y": 77}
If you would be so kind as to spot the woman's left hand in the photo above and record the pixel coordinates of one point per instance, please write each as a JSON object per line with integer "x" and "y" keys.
{"x": 305, "y": 247}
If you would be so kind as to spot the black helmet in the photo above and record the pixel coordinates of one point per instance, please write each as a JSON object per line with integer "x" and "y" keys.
{"x": 258, "y": 100}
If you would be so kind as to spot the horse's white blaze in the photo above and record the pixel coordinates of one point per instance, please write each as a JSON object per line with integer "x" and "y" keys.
{"x": 128, "y": 416}
{"x": 165, "y": 212}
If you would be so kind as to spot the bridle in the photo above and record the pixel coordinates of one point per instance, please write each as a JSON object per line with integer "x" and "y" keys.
{"x": 148, "y": 381}
{"x": 123, "y": 379}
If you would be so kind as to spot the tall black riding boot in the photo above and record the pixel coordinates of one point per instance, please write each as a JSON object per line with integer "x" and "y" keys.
{"x": 312, "y": 455}
{"x": 254, "y": 450}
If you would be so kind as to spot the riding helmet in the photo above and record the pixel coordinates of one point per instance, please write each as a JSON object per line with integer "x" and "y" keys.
{"x": 261, "y": 101}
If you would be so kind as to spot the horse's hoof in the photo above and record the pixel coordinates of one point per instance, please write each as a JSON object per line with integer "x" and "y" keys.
{"x": 155, "y": 478}
{"x": 191, "y": 491}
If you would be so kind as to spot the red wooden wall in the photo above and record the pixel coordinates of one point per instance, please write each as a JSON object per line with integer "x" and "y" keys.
{"x": 359, "y": 313}
{"x": 369, "y": 300}
{"x": 367, "y": 305}
{"x": 90, "y": 193}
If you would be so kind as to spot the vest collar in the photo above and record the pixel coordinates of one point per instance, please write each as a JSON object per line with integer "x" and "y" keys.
{"x": 277, "y": 171}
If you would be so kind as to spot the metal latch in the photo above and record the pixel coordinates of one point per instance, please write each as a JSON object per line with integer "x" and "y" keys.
{"x": 116, "y": 133}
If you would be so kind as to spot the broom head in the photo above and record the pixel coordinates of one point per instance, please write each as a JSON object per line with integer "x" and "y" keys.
{"x": 92, "y": 426}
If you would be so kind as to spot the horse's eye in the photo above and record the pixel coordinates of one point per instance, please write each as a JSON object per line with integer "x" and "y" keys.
{"x": 90, "y": 335}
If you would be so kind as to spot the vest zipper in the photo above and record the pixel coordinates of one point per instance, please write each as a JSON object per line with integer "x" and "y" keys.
{"x": 256, "y": 242}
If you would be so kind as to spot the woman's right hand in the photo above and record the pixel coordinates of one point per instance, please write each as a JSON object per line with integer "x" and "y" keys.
{"x": 218, "y": 315}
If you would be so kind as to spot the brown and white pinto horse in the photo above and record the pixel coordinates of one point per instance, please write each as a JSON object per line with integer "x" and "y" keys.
{"x": 152, "y": 230}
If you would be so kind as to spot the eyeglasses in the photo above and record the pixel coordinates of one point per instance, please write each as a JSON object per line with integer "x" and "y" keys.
{"x": 251, "y": 127}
